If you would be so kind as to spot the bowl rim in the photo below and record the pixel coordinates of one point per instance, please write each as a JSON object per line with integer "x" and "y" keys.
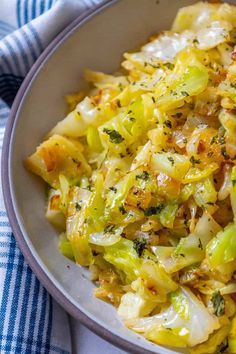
{"x": 32, "y": 261}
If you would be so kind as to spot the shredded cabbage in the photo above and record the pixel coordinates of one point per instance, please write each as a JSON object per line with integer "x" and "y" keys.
{"x": 198, "y": 324}
{"x": 222, "y": 248}
{"x": 142, "y": 182}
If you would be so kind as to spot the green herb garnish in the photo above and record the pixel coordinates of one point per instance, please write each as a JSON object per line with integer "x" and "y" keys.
{"x": 78, "y": 206}
{"x": 218, "y": 303}
{"x": 139, "y": 246}
{"x": 109, "y": 228}
{"x": 224, "y": 152}
{"x": 214, "y": 140}
{"x": 114, "y": 135}
{"x": 194, "y": 161}
{"x": 154, "y": 210}
{"x": 144, "y": 176}
{"x": 184, "y": 93}
{"x": 168, "y": 123}
{"x": 171, "y": 159}
{"x": 170, "y": 66}
{"x": 122, "y": 209}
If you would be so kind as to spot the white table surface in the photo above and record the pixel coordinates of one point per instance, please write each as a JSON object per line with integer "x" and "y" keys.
{"x": 86, "y": 342}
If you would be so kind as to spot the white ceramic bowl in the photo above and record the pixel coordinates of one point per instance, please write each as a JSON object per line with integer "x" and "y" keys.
{"x": 95, "y": 40}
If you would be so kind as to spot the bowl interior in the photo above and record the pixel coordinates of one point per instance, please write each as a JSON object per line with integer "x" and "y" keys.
{"x": 97, "y": 43}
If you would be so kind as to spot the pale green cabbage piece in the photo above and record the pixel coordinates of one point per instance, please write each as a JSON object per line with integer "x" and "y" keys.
{"x": 166, "y": 46}
{"x": 134, "y": 305}
{"x": 212, "y": 344}
{"x": 191, "y": 249}
{"x": 181, "y": 304}
{"x": 115, "y": 200}
{"x": 193, "y": 80}
{"x": 139, "y": 302}
{"x": 167, "y": 215}
{"x": 205, "y": 193}
{"x": 222, "y": 248}
{"x": 65, "y": 247}
{"x": 172, "y": 164}
{"x": 124, "y": 129}
{"x": 124, "y": 257}
{"x": 85, "y": 217}
{"x": 199, "y": 15}
{"x": 199, "y": 324}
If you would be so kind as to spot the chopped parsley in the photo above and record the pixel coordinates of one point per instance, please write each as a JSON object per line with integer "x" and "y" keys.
{"x": 120, "y": 86}
{"x": 222, "y": 140}
{"x": 154, "y": 66}
{"x": 178, "y": 114}
{"x": 88, "y": 187}
{"x": 154, "y": 210}
{"x": 194, "y": 161}
{"x": 196, "y": 41}
{"x": 78, "y": 206}
{"x": 144, "y": 176}
{"x": 224, "y": 152}
{"x": 113, "y": 189}
{"x": 139, "y": 246}
{"x": 184, "y": 93}
{"x": 214, "y": 140}
{"x": 114, "y": 135}
{"x": 109, "y": 228}
{"x": 200, "y": 244}
{"x": 169, "y": 66}
{"x": 234, "y": 182}
{"x": 168, "y": 123}
{"x": 218, "y": 303}
{"x": 122, "y": 209}
{"x": 171, "y": 159}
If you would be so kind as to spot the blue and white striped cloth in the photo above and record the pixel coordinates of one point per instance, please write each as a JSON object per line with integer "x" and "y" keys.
{"x": 30, "y": 321}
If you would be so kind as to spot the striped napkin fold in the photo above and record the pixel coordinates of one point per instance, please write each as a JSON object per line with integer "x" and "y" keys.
{"x": 30, "y": 320}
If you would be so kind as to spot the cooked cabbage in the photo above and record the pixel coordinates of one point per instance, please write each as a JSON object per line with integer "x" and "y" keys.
{"x": 142, "y": 182}
{"x": 190, "y": 315}
{"x": 58, "y": 155}
{"x": 222, "y": 248}
{"x": 54, "y": 213}
{"x": 232, "y": 337}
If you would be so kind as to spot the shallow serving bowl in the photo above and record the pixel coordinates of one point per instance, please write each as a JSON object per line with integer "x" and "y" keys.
{"x": 95, "y": 40}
